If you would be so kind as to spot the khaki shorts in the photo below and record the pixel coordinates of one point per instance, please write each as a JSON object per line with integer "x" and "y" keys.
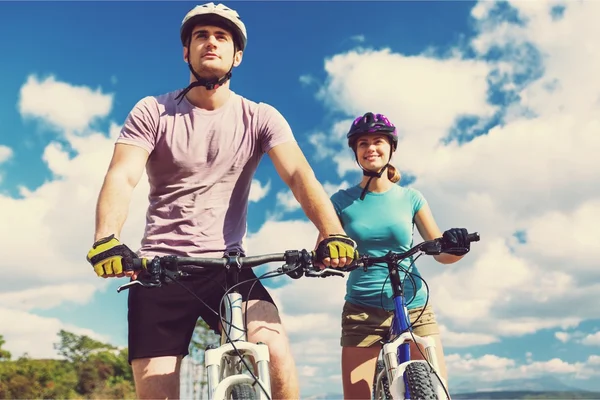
{"x": 364, "y": 326}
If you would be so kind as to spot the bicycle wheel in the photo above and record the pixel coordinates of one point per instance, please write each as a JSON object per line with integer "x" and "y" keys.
{"x": 243, "y": 391}
{"x": 381, "y": 392}
{"x": 418, "y": 380}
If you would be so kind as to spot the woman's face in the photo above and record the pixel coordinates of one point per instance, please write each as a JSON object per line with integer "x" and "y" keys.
{"x": 373, "y": 151}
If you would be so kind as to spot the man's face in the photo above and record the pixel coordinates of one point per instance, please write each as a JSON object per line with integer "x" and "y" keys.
{"x": 211, "y": 51}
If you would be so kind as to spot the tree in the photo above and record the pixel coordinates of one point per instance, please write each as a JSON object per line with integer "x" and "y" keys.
{"x": 4, "y": 354}
{"x": 202, "y": 337}
{"x": 77, "y": 348}
{"x": 90, "y": 369}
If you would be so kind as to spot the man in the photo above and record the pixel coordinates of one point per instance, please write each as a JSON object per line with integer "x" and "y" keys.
{"x": 201, "y": 147}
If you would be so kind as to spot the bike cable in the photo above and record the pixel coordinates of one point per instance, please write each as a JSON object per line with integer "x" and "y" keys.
{"x": 266, "y": 275}
{"x": 223, "y": 321}
{"x": 190, "y": 291}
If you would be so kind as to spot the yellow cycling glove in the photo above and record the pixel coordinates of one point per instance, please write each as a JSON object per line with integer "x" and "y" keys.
{"x": 337, "y": 246}
{"x": 110, "y": 258}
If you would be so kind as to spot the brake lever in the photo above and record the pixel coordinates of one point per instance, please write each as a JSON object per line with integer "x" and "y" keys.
{"x": 324, "y": 273}
{"x": 151, "y": 282}
{"x": 136, "y": 282}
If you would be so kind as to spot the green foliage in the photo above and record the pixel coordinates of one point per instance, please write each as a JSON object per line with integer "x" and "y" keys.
{"x": 77, "y": 348}
{"x": 90, "y": 370}
{"x": 45, "y": 379}
{"x": 4, "y": 354}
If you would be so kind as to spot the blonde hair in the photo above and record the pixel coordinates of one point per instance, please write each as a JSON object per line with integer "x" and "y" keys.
{"x": 393, "y": 174}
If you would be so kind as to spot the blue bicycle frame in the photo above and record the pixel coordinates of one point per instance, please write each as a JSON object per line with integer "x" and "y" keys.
{"x": 400, "y": 319}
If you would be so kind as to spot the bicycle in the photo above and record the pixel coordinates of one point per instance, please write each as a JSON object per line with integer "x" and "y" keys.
{"x": 409, "y": 378}
{"x": 223, "y": 363}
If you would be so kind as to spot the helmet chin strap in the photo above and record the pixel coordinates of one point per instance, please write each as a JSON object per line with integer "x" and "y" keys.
{"x": 371, "y": 174}
{"x": 208, "y": 83}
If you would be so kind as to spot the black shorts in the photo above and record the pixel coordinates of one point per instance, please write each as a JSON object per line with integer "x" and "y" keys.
{"x": 162, "y": 320}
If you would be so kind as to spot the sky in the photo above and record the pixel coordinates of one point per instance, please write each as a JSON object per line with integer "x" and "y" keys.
{"x": 497, "y": 106}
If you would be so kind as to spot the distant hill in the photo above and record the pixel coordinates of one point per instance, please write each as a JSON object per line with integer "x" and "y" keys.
{"x": 545, "y": 383}
{"x": 498, "y": 395}
{"x": 544, "y": 387}
{"x": 526, "y": 394}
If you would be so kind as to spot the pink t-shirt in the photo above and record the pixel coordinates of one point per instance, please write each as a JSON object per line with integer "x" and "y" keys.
{"x": 200, "y": 169}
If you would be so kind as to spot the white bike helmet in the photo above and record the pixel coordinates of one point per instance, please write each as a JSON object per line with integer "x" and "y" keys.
{"x": 219, "y": 14}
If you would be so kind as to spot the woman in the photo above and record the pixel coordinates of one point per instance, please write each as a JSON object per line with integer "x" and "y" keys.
{"x": 380, "y": 215}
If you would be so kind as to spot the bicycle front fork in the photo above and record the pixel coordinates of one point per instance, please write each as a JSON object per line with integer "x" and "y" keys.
{"x": 220, "y": 363}
{"x": 390, "y": 352}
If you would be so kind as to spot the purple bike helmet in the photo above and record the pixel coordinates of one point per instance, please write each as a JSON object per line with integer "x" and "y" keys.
{"x": 371, "y": 123}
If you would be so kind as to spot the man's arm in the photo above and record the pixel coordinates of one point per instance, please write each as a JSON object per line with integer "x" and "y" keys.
{"x": 294, "y": 170}
{"x": 123, "y": 175}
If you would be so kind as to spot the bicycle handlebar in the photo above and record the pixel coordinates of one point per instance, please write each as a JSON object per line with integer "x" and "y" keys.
{"x": 298, "y": 263}
{"x": 429, "y": 247}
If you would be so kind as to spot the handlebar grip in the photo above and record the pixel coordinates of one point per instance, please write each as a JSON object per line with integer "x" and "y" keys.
{"x": 473, "y": 237}
{"x": 138, "y": 263}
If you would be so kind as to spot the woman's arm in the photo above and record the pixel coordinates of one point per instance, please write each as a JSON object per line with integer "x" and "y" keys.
{"x": 428, "y": 229}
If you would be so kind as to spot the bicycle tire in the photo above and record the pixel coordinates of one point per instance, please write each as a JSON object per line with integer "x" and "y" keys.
{"x": 419, "y": 382}
{"x": 385, "y": 393}
{"x": 243, "y": 391}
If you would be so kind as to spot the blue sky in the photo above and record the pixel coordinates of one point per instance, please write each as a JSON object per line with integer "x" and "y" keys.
{"x": 473, "y": 100}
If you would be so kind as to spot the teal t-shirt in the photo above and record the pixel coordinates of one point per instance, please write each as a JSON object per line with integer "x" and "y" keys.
{"x": 380, "y": 223}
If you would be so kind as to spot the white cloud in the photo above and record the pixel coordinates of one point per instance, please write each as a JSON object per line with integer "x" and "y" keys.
{"x": 562, "y": 336}
{"x": 331, "y": 188}
{"x": 465, "y": 339}
{"x": 35, "y": 335}
{"x": 287, "y": 201}
{"x": 57, "y": 272}
{"x": 63, "y": 106}
{"x": 567, "y": 237}
{"x": 258, "y": 191}
{"x": 592, "y": 339}
{"x": 535, "y": 157}
{"x": 306, "y": 371}
{"x": 425, "y": 83}
{"x": 307, "y": 80}
{"x": 529, "y": 357}
{"x": 5, "y": 153}
{"x": 47, "y": 297}
{"x": 493, "y": 368}
{"x": 565, "y": 65}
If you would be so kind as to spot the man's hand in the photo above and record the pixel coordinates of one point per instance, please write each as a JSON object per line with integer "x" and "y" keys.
{"x": 336, "y": 251}
{"x": 111, "y": 258}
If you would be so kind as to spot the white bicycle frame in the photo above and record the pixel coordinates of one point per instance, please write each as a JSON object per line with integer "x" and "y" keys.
{"x": 224, "y": 366}
{"x": 395, "y": 372}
